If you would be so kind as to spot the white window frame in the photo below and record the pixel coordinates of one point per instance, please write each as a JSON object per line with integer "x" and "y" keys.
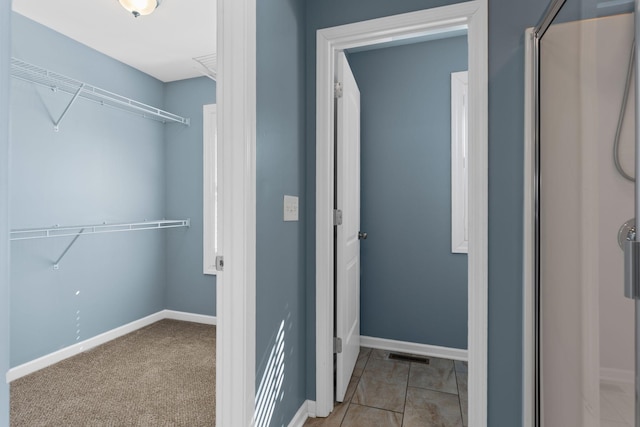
{"x": 459, "y": 163}
{"x": 212, "y": 197}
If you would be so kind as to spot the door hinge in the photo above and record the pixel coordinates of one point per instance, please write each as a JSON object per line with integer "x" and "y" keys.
{"x": 337, "y": 217}
{"x": 337, "y": 345}
{"x": 219, "y": 263}
{"x": 338, "y": 90}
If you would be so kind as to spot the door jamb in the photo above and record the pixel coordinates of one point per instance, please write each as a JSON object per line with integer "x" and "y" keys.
{"x": 236, "y": 285}
{"x": 473, "y": 16}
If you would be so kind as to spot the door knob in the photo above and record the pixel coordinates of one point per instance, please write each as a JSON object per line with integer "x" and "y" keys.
{"x": 362, "y": 236}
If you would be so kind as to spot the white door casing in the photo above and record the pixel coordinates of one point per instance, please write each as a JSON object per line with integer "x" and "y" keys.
{"x": 347, "y": 241}
{"x": 212, "y": 191}
{"x": 471, "y": 15}
{"x": 236, "y": 284}
{"x": 459, "y": 169}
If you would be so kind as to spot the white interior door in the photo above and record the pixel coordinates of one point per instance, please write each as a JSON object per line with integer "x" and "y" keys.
{"x": 347, "y": 234}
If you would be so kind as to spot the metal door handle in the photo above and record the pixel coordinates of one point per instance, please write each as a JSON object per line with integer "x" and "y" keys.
{"x": 362, "y": 236}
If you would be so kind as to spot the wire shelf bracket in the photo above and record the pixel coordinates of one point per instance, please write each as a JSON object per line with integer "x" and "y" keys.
{"x": 30, "y": 73}
{"x": 77, "y": 230}
{"x": 56, "y": 265}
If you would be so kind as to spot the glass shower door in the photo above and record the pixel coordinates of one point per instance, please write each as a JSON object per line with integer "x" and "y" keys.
{"x": 586, "y": 144}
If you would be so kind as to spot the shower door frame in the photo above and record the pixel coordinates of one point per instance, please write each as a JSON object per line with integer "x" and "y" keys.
{"x": 532, "y": 404}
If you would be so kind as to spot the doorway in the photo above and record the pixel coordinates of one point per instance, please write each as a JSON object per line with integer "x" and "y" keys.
{"x": 472, "y": 17}
{"x": 236, "y": 59}
{"x": 413, "y": 270}
{"x": 85, "y": 327}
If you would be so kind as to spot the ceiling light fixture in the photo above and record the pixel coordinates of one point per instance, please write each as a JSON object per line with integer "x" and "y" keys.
{"x": 139, "y": 7}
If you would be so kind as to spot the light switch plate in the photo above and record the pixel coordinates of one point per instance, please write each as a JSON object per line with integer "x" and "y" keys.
{"x": 290, "y": 208}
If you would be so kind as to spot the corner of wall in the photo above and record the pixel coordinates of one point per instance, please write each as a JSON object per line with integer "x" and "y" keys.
{"x": 165, "y": 141}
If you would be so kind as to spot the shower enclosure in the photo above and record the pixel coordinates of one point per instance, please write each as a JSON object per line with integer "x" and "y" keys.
{"x": 580, "y": 328}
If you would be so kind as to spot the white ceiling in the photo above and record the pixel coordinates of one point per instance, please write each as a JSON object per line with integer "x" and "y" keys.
{"x": 161, "y": 44}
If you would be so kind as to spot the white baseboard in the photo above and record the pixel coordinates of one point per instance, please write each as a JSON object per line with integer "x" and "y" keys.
{"x": 190, "y": 317}
{"x": 303, "y": 413}
{"x": 311, "y": 406}
{"x": 75, "y": 349}
{"x": 617, "y": 375}
{"x": 415, "y": 348}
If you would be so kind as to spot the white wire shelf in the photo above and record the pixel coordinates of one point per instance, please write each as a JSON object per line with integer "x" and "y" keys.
{"x": 209, "y": 65}
{"x": 60, "y": 231}
{"x": 57, "y": 82}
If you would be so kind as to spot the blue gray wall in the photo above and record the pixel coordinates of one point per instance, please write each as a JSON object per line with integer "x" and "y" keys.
{"x": 280, "y": 260}
{"x": 409, "y": 276}
{"x": 5, "y": 49}
{"x": 188, "y": 289}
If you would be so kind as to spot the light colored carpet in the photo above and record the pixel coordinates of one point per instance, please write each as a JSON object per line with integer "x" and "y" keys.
{"x": 161, "y": 375}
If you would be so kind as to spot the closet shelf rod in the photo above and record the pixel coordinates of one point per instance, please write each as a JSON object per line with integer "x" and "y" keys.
{"x": 46, "y": 232}
{"x": 41, "y": 76}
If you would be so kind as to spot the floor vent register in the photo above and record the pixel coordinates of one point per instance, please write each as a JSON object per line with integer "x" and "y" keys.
{"x": 408, "y": 358}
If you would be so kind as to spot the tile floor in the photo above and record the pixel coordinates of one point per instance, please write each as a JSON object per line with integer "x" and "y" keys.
{"x": 616, "y": 404}
{"x": 391, "y": 393}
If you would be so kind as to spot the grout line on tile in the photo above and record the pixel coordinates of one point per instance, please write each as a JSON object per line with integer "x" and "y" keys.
{"x": 366, "y": 363}
{"x": 406, "y": 393}
{"x": 459, "y": 398}
{"x": 437, "y": 390}
{"x": 382, "y": 409}
{"x": 345, "y": 414}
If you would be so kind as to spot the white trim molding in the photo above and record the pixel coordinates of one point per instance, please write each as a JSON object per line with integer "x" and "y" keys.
{"x": 190, "y": 317}
{"x": 75, "y": 349}
{"x": 459, "y": 163}
{"x": 415, "y": 348}
{"x": 303, "y": 413}
{"x": 236, "y": 284}
{"x": 471, "y": 15}
{"x": 311, "y": 405}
